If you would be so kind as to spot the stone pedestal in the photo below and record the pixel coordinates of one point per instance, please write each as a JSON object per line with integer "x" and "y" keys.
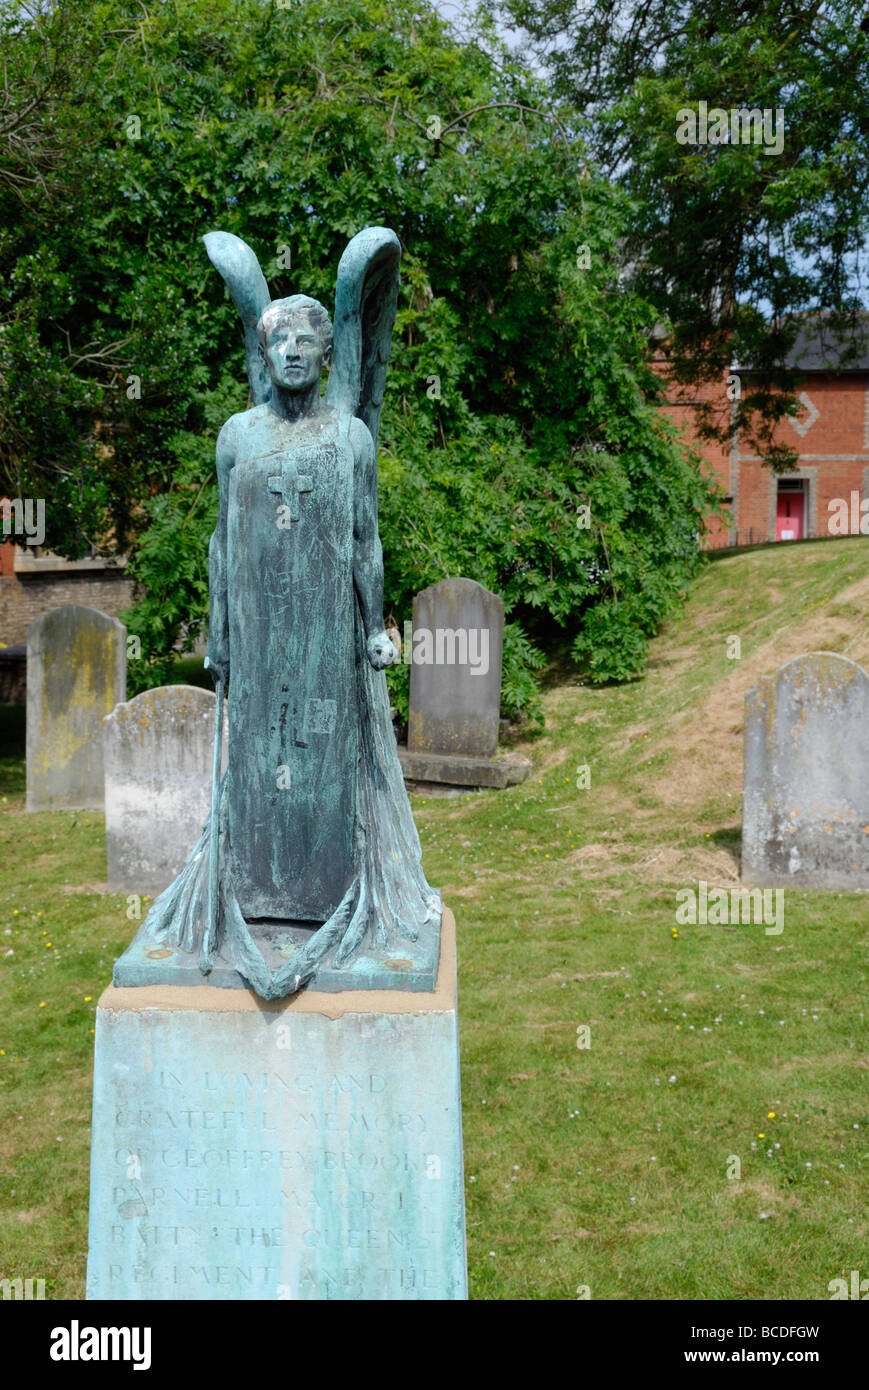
{"x": 304, "y": 1149}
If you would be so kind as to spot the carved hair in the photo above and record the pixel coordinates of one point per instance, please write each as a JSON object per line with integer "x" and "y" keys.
{"x": 282, "y": 309}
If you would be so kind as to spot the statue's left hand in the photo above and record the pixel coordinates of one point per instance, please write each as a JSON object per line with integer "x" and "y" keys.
{"x": 381, "y": 652}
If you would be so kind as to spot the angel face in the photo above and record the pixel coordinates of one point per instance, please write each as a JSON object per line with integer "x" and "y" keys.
{"x": 294, "y": 355}
{"x": 295, "y": 342}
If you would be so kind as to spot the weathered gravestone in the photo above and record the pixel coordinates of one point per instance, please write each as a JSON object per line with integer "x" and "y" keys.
{"x": 455, "y": 651}
{"x": 805, "y": 810}
{"x": 76, "y": 674}
{"x": 276, "y": 1085}
{"x": 158, "y": 753}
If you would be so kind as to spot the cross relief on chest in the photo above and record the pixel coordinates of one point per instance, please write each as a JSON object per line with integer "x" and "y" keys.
{"x": 289, "y": 484}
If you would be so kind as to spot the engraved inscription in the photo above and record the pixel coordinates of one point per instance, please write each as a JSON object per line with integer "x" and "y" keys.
{"x": 334, "y": 1201}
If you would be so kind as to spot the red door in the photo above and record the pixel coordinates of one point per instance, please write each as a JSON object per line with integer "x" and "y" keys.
{"x": 790, "y": 512}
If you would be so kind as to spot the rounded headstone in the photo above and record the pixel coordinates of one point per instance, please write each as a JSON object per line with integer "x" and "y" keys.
{"x": 158, "y": 760}
{"x": 76, "y": 674}
{"x": 805, "y": 814}
{"x": 455, "y": 675}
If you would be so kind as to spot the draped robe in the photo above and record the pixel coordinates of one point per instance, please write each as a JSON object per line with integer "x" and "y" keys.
{"x": 287, "y": 531}
{"x": 312, "y": 823}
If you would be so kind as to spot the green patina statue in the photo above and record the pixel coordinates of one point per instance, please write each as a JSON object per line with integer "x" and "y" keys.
{"x": 310, "y": 863}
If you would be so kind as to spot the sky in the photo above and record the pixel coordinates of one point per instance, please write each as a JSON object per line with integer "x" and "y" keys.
{"x": 456, "y": 10}
{"x": 451, "y": 9}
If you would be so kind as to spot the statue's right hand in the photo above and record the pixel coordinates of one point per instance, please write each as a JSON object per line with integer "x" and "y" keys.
{"x": 219, "y": 668}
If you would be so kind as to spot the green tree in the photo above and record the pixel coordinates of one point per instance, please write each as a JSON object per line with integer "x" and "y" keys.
{"x": 518, "y": 391}
{"x": 732, "y": 243}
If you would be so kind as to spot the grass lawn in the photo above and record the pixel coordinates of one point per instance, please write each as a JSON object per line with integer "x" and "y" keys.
{"x": 612, "y": 1166}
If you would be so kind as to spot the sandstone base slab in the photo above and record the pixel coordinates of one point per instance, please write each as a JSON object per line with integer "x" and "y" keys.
{"x": 307, "y": 1149}
{"x": 460, "y": 770}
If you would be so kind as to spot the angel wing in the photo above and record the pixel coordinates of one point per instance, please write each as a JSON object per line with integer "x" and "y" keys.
{"x": 366, "y": 297}
{"x": 238, "y": 265}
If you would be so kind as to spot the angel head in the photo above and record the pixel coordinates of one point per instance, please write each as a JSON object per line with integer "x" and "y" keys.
{"x": 295, "y": 341}
{"x": 366, "y": 293}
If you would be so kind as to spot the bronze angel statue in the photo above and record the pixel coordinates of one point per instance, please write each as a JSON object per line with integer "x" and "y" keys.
{"x": 310, "y": 828}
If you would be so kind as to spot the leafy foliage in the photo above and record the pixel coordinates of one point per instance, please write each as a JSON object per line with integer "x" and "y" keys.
{"x": 518, "y": 390}
{"x": 733, "y": 243}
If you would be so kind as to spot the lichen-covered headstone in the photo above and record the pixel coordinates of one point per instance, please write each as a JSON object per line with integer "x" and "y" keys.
{"x": 158, "y": 754}
{"x": 455, "y": 676}
{"x": 805, "y": 813}
{"x": 76, "y": 674}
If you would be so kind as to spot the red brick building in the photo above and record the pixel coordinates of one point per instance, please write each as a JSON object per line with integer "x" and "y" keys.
{"x": 32, "y": 584}
{"x": 830, "y": 435}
